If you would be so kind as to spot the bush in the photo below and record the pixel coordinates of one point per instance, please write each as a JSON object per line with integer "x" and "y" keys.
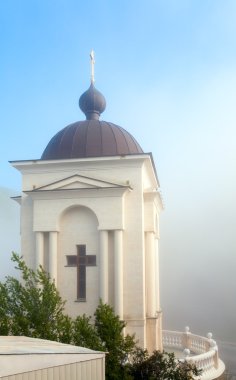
{"x": 160, "y": 366}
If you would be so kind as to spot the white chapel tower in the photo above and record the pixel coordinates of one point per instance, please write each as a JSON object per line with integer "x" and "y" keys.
{"x": 90, "y": 216}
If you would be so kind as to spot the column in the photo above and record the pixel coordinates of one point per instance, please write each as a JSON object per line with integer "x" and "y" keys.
{"x": 118, "y": 272}
{"x": 103, "y": 279}
{"x": 157, "y": 276}
{"x": 150, "y": 274}
{"x": 53, "y": 255}
{"x": 39, "y": 248}
{"x": 157, "y": 295}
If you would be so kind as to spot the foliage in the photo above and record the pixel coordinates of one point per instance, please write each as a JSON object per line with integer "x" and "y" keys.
{"x": 160, "y": 366}
{"x": 106, "y": 334}
{"x": 84, "y": 334}
{"x": 33, "y": 306}
{"x": 4, "y": 316}
{"x": 118, "y": 347}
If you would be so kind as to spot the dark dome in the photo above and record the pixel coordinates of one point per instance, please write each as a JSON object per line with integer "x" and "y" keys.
{"x": 91, "y": 138}
{"x": 92, "y": 103}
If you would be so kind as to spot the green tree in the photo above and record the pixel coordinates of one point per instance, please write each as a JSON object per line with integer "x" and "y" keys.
{"x": 85, "y": 334}
{"x": 33, "y": 306}
{"x": 160, "y": 366}
{"x": 118, "y": 347}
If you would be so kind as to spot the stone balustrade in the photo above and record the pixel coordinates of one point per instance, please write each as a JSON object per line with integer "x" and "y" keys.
{"x": 201, "y": 351}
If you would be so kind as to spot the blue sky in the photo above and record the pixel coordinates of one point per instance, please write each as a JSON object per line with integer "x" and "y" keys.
{"x": 168, "y": 71}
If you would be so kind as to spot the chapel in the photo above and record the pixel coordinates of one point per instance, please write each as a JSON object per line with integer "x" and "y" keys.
{"x": 90, "y": 216}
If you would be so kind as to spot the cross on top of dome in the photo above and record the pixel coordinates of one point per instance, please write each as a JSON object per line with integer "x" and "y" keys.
{"x": 92, "y": 59}
{"x": 92, "y": 103}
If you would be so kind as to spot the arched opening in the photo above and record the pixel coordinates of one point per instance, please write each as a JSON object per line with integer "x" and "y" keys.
{"x": 78, "y": 259}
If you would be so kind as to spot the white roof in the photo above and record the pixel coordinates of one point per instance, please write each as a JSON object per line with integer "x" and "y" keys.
{"x": 20, "y": 354}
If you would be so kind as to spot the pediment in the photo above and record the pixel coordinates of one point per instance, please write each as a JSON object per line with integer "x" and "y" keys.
{"x": 78, "y": 182}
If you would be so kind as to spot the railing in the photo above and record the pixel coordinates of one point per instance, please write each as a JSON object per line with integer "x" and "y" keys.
{"x": 201, "y": 351}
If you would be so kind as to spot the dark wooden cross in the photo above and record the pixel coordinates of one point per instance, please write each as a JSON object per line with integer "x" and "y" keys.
{"x": 81, "y": 261}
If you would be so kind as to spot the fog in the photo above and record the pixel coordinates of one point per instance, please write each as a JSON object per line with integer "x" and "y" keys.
{"x": 197, "y": 261}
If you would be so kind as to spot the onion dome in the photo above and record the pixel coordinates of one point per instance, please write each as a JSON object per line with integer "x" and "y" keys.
{"x": 92, "y": 103}
{"x": 91, "y": 137}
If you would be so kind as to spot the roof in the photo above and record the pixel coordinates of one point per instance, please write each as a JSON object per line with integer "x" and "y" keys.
{"x": 91, "y": 137}
{"x": 42, "y": 354}
{"x": 21, "y": 345}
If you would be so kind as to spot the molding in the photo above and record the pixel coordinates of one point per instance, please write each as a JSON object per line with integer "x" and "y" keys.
{"x": 77, "y": 181}
{"x": 78, "y": 193}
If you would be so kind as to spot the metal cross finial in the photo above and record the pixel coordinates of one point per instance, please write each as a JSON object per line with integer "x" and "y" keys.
{"x": 92, "y": 66}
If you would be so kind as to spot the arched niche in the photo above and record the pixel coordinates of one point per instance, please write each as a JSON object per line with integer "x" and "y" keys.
{"x": 78, "y": 226}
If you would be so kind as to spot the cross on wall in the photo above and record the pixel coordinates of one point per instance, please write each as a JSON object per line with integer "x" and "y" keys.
{"x": 81, "y": 261}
